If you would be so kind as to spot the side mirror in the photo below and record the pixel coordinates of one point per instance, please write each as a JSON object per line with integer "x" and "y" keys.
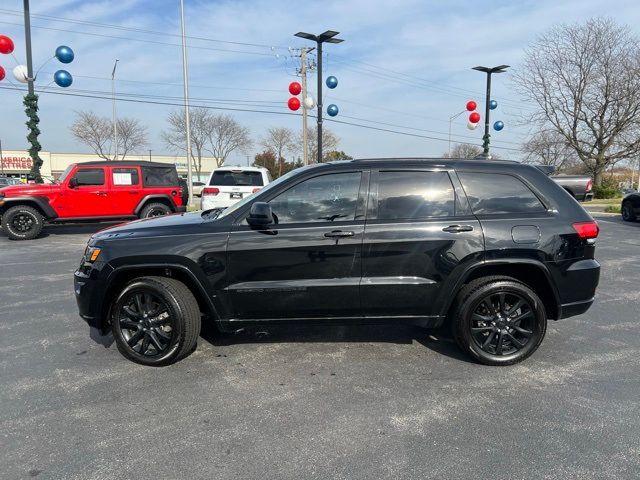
{"x": 260, "y": 215}
{"x": 73, "y": 183}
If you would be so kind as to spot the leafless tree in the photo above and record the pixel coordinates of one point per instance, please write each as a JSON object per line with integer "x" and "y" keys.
{"x": 97, "y": 133}
{"x": 585, "y": 81}
{"x": 226, "y": 135}
{"x": 464, "y": 150}
{"x": 279, "y": 140}
{"x": 329, "y": 142}
{"x": 548, "y": 147}
{"x": 175, "y": 137}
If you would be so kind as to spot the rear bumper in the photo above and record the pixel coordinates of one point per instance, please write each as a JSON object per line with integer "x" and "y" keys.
{"x": 576, "y": 308}
{"x": 577, "y": 287}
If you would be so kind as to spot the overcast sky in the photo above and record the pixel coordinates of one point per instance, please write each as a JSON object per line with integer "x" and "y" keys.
{"x": 403, "y": 63}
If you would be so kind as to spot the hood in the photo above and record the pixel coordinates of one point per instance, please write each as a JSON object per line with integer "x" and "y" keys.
{"x": 33, "y": 189}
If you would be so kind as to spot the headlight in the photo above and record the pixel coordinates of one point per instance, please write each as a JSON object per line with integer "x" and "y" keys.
{"x": 91, "y": 254}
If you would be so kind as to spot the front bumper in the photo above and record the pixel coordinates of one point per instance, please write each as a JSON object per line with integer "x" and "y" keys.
{"x": 89, "y": 291}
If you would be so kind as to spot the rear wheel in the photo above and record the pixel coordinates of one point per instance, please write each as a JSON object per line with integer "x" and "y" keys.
{"x": 627, "y": 212}
{"x": 155, "y": 321}
{"x": 499, "y": 320}
{"x": 22, "y": 222}
{"x": 155, "y": 210}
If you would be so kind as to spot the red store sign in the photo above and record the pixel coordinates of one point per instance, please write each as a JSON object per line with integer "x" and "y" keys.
{"x": 17, "y": 163}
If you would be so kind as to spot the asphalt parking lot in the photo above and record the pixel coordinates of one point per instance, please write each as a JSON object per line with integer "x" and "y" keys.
{"x": 343, "y": 403}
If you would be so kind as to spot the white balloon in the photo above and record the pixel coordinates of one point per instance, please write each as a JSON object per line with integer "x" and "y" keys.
{"x": 309, "y": 102}
{"x": 472, "y": 126}
{"x": 21, "y": 74}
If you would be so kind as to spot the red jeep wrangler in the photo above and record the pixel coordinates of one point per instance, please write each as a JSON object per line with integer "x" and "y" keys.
{"x": 92, "y": 191}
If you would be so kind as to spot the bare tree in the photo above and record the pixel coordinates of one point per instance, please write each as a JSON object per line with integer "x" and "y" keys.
{"x": 548, "y": 147}
{"x": 175, "y": 137}
{"x": 97, "y": 133}
{"x": 464, "y": 150}
{"x": 225, "y": 136}
{"x": 279, "y": 140}
{"x": 329, "y": 142}
{"x": 94, "y": 131}
{"x": 585, "y": 81}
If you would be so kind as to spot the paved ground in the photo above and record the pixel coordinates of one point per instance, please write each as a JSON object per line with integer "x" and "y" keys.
{"x": 347, "y": 403}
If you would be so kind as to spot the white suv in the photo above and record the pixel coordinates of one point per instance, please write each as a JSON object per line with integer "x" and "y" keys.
{"x": 228, "y": 185}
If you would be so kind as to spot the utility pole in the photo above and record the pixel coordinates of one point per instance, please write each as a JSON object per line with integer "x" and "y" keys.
{"x": 187, "y": 117}
{"x": 149, "y": 154}
{"x": 113, "y": 101}
{"x": 27, "y": 41}
{"x": 303, "y": 74}
{"x": 2, "y": 163}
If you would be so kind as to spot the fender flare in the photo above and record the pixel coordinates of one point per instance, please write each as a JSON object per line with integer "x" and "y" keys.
{"x": 157, "y": 196}
{"x": 41, "y": 202}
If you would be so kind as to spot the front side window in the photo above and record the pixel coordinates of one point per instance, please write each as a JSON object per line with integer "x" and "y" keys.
{"x": 125, "y": 176}
{"x": 89, "y": 176}
{"x": 327, "y": 198}
{"x": 491, "y": 193}
{"x": 415, "y": 194}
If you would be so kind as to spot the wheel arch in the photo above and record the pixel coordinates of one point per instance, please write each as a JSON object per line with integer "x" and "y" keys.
{"x": 39, "y": 203}
{"x": 156, "y": 198}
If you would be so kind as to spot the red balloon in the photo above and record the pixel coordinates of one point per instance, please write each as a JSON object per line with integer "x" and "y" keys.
{"x": 294, "y": 104}
{"x": 6, "y": 45}
{"x": 474, "y": 117}
{"x": 295, "y": 88}
{"x": 471, "y": 105}
{"x": 1, "y": 73}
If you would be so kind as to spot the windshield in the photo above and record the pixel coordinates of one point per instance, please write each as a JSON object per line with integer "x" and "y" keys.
{"x": 235, "y": 207}
{"x": 65, "y": 174}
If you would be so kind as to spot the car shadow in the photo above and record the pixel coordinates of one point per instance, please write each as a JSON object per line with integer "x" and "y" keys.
{"x": 432, "y": 339}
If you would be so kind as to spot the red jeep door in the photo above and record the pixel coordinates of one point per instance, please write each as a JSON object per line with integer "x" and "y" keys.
{"x": 86, "y": 194}
{"x": 125, "y": 191}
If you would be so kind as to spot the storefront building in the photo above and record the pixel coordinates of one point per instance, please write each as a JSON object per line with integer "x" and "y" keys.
{"x": 17, "y": 163}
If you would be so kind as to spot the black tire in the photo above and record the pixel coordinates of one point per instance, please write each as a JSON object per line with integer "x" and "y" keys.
{"x": 155, "y": 321}
{"x": 476, "y": 322}
{"x": 22, "y": 222}
{"x": 155, "y": 210}
{"x": 627, "y": 212}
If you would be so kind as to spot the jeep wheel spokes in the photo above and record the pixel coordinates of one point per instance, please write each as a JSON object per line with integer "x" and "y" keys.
{"x": 502, "y": 323}
{"x": 146, "y": 324}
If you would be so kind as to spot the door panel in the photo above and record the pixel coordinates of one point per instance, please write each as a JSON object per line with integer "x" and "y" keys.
{"x": 89, "y": 198}
{"x": 125, "y": 190}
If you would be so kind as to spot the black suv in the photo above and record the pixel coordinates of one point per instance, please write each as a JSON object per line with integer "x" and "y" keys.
{"x": 492, "y": 248}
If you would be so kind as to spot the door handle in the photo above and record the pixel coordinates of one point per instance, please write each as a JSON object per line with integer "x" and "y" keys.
{"x": 102, "y": 194}
{"x": 338, "y": 234}
{"x": 458, "y": 228}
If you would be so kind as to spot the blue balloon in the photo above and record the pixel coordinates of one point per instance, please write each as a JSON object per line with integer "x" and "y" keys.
{"x": 499, "y": 125}
{"x": 62, "y": 78}
{"x": 332, "y": 82}
{"x": 64, "y": 54}
{"x": 493, "y": 104}
{"x": 332, "y": 110}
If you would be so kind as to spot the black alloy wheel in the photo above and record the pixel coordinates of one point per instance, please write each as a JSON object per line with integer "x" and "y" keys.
{"x": 22, "y": 222}
{"x": 155, "y": 210}
{"x": 627, "y": 212}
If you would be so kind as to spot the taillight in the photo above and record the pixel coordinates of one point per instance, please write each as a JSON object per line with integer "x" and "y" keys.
{"x": 589, "y": 185}
{"x": 210, "y": 191}
{"x": 586, "y": 230}
{"x": 255, "y": 190}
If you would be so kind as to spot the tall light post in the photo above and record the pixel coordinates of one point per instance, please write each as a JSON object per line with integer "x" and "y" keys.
{"x": 326, "y": 37}
{"x": 113, "y": 101}
{"x": 187, "y": 118}
{"x": 451, "y": 119}
{"x": 488, "y": 71}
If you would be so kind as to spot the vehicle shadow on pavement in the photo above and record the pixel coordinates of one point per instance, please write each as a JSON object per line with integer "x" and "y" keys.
{"x": 434, "y": 340}
{"x": 68, "y": 229}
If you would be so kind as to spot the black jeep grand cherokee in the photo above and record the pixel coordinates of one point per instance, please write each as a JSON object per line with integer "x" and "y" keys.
{"x": 493, "y": 248}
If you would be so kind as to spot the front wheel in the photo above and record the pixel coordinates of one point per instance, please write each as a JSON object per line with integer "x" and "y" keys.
{"x": 22, "y": 222}
{"x": 627, "y": 212}
{"x": 155, "y": 321}
{"x": 499, "y": 320}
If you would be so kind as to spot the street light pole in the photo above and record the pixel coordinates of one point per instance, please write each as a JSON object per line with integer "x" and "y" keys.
{"x": 451, "y": 119}
{"x": 187, "y": 117}
{"x": 486, "y": 138}
{"x": 113, "y": 101}
{"x": 326, "y": 37}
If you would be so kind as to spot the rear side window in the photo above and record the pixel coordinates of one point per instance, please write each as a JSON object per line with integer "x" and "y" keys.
{"x": 89, "y": 176}
{"x": 160, "y": 176}
{"x": 415, "y": 194}
{"x": 490, "y": 193}
{"x": 230, "y": 178}
{"x": 125, "y": 176}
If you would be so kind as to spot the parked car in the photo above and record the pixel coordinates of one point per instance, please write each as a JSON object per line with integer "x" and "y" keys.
{"x": 228, "y": 185}
{"x": 492, "y": 249}
{"x": 6, "y": 181}
{"x": 197, "y": 188}
{"x": 630, "y": 207}
{"x": 92, "y": 191}
{"x": 579, "y": 187}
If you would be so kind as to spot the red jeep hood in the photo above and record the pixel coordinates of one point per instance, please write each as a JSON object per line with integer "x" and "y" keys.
{"x": 30, "y": 189}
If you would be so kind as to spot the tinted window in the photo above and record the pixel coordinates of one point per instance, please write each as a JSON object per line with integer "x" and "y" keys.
{"x": 125, "y": 176}
{"x": 413, "y": 194}
{"x": 90, "y": 176}
{"x": 326, "y": 198}
{"x": 495, "y": 193}
{"x": 160, "y": 176}
{"x": 229, "y": 178}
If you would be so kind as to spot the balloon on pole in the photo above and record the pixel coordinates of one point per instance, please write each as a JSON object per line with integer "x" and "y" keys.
{"x": 295, "y": 88}
{"x": 64, "y": 54}
{"x": 474, "y": 117}
{"x": 332, "y": 82}
{"x": 21, "y": 74}
{"x": 499, "y": 125}
{"x": 471, "y": 105}
{"x": 332, "y": 110}
{"x": 472, "y": 126}
{"x": 293, "y": 104}
{"x": 309, "y": 102}
{"x": 63, "y": 78}
{"x": 6, "y": 45}
{"x": 2, "y": 73}
{"x": 493, "y": 104}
